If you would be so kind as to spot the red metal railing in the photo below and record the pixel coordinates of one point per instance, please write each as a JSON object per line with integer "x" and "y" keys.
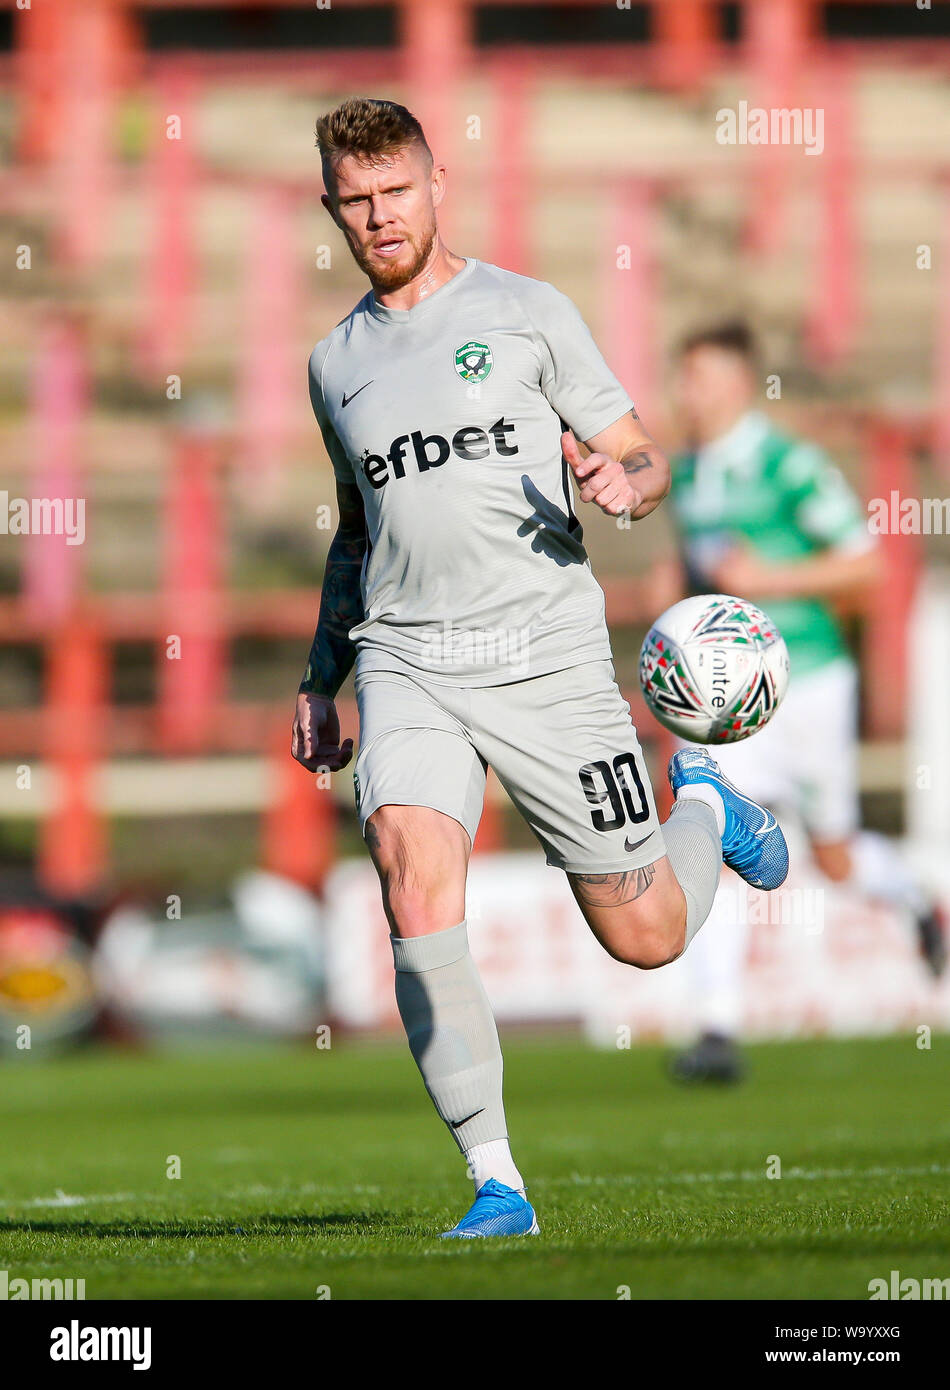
{"x": 71, "y": 61}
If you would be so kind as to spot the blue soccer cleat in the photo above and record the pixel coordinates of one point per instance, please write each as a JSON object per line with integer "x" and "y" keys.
{"x": 752, "y": 842}
{"x": 497, "y": 1211}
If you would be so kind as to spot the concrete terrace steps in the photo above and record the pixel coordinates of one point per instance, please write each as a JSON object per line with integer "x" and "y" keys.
{"x": 903, "y": 118}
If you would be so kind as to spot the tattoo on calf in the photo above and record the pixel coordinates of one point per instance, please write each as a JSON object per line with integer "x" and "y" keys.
{"x": 613, "y": 890}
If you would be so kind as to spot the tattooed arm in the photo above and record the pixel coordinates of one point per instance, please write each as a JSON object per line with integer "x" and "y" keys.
{"x": 316, "y": 730}
{"x": 341, "y": 605}
{"x": 625, "y": 471}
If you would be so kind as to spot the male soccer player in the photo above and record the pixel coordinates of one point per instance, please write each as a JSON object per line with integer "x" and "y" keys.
{"x": 767, "y": 516}
{"x": 458, "y": 582}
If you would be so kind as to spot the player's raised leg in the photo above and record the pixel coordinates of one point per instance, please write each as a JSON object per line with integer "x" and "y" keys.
{"x": 648, "y": 916}
{"x": 567, "y": 753}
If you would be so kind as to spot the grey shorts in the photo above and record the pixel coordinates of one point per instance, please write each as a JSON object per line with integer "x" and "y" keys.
{"x": 562, "y": 745}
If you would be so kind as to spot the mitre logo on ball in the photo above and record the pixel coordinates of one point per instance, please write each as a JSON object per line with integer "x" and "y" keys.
{"x": 714, "y": 668}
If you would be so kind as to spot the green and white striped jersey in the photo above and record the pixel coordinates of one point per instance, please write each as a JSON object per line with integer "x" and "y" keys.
{"x": 785, "y": 499}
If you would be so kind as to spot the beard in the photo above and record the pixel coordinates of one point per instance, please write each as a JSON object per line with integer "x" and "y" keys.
{"x": 388, "y": 277}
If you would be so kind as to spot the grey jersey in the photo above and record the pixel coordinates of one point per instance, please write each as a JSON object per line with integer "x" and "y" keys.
{"x": 448, "y": 418}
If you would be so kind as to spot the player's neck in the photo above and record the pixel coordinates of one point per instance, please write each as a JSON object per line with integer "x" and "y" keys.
{"x": 441, "y": 266}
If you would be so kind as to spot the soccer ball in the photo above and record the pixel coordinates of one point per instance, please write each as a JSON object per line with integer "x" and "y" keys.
{"x": 714, "y": 668}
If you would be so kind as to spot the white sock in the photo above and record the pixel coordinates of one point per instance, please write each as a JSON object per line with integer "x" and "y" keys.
{"x": 493, "y": 1160}
{"x": 702, "y": 791}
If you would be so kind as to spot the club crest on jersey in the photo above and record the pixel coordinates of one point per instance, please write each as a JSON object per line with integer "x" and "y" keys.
{"x": 473, "y": 361}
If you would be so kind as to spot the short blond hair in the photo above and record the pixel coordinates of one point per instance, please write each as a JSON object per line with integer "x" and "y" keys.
{"x": 370, "y": 130}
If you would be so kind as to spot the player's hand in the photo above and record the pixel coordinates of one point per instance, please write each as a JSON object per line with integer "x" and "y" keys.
{"x": 742, "y": 573}
{"x": 601, "y": 479}
{"x": 315, "y": 741}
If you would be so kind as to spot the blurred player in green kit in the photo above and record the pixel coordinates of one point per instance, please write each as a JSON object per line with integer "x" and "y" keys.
{"x": 766, "y": 516}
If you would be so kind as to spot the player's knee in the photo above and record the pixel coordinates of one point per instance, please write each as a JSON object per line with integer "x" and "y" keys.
{"x": 385, "y": 843}
{"x": 649, "y": 938}
{"x": 651, "y": 948}
{"x": 422, "y": 877}
{"x": 646, "y": 930}
{"x": 414, "y": 909}
{"x": 413, "y": 896}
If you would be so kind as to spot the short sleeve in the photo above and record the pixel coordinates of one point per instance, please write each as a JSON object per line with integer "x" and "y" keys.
{"x": 342, "y": 468}
{"x": 575, "y": 379}
{"x": 823, "y": 504}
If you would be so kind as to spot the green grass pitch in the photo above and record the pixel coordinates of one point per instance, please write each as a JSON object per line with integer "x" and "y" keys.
{"x": 307, "y": 1170}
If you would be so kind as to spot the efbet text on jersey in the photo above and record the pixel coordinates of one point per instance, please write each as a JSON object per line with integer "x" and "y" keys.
{"x": 471, "y": 442}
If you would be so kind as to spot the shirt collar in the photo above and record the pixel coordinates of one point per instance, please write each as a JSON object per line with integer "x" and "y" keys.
{"x": 387, "y": 315}
{"x": 738, "y": 445}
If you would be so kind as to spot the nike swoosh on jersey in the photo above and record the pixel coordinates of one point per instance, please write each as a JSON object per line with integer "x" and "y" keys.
{"x": 346, "y": 399}
{"x": 631, "y": 847}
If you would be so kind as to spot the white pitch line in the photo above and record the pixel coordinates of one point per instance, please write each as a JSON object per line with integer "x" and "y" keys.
{"x": 305, "y": 1189}
{"x": 65, "y": 1199}
{"x": 310, "y": 1189}
{"x": 747, "y": 1175}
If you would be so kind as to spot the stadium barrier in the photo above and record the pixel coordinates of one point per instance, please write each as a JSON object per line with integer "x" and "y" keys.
{"x": 191, "y": 622}
{"x": 70, "y": 63}
{"x": 820, "y": 960}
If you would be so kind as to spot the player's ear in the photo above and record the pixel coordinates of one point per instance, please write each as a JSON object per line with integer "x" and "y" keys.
{"x": 329, "y": 207}
{"x": 438, "y": 184}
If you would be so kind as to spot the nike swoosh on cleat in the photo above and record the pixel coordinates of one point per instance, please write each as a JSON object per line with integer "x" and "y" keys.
{"x": 768, "y": 820}
{"x": 457, "y": 1124}
{"x": 347, "y": 399}
{"x": 631, "y": 847}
